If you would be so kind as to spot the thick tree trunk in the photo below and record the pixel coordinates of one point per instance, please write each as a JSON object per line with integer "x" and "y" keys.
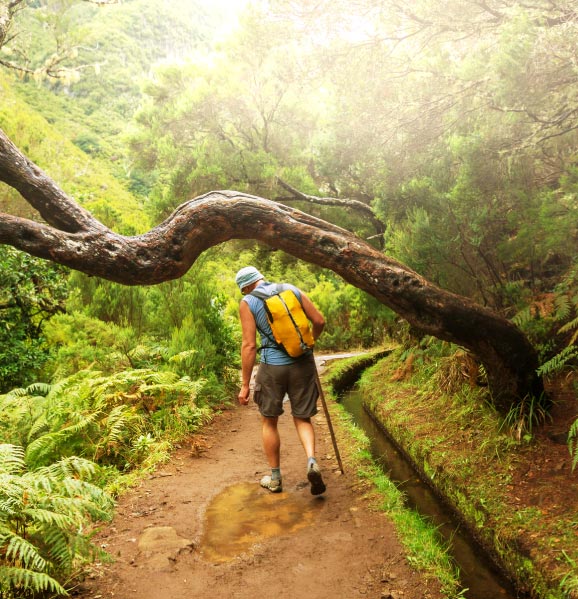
{"x": 74, "y": 238}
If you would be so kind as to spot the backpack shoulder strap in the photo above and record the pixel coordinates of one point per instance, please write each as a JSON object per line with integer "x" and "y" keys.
{"x": 265, "y": 296}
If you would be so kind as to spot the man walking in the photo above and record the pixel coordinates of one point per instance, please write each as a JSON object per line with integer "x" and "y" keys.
{"x": 278, "y": 374}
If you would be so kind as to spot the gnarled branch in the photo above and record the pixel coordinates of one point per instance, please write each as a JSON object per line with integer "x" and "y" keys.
{"x": 72, "y": 237}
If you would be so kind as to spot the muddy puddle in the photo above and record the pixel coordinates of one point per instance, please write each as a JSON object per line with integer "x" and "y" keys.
{"x": 243, "y": 515}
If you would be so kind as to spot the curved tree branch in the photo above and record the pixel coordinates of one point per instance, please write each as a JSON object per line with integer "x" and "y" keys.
{"x": 348, "y": 204}
{"x": 75, "y": 239}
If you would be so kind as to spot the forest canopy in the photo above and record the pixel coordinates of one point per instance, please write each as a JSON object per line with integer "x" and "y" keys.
{"x": 433, "y": 117}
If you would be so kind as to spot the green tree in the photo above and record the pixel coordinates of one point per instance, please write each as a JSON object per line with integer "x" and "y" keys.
{"x": 463, "y": 137}
{"x": 32, "y": 292}
{"x": 235, "y": 120}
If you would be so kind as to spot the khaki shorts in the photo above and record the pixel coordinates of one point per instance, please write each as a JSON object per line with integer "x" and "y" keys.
{"x": 297, "y": 380}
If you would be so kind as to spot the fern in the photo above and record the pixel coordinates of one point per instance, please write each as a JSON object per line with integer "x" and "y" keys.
{"x": 21, "y": 551}
{"x": 14, "y": 580}
{"x": 44, "y": 448}
{"x": 120, "y": 426}
{"x": 523, "y": 317}
{"x": 34, "y": 390}
{"x": 18, "y": 412}
{"x": 569, "y": 326}
{"x": 144, "y": 354}
{"x": 46, "y": 517}
{"x": 563, "y": 307}
{"x": 72, "y": 467}
{"x": 43, "y": 514}
{"x": 556, "y": 363}
{"x": 11, "y": 459}
{"x": 100, "y": 417}
{"x": 61, "y": 547}
{"x": 40, "y": 426}
{"x": 38, "y": 389}
{"x": 183, "y": 358}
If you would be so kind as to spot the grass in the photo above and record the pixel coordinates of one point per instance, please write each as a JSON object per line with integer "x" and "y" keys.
{"x": 455, "y": 438}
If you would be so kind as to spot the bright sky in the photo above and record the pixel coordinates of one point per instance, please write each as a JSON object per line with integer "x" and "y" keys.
{"x": 231, "y": 8}
{"x": 231, "y": 5}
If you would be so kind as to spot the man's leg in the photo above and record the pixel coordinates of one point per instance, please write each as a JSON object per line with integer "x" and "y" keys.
{"x": 271, "y": 441}
{"x": 272, "y": 447}
{"x": 306, "y": 434}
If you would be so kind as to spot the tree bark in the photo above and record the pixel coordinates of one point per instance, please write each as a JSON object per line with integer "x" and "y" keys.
{"x": 74, "y": 238}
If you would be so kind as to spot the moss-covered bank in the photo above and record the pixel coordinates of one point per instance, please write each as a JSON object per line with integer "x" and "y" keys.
{"x": 432, "y": 409}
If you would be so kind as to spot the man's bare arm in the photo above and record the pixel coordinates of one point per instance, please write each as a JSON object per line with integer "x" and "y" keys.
{"x": 248, "y": 350}
{"x": 313, "y": 314}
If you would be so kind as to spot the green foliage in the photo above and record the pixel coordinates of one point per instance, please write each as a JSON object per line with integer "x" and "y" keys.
{"x": 556, "y": 364}
{"x": 89, "y": 181}
{"x": 111, "y": 302}
{"x": 488, "y": 239}
{"x": 79, "y": 342}
{"x": 88, "y": 143}
{"x": 44, "y": 513}
{"x": 180, "y": 326}
{"x": 32, "y": 292}
{"x": 22, "y": 413}
{"x": 190, "y": 316}
{"x": 103, "y": 418}
{"x": 551, "y": 322}
{"x": 354, "y": 319}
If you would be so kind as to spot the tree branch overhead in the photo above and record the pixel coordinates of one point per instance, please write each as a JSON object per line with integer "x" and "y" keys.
{"x": 72, "y": 237}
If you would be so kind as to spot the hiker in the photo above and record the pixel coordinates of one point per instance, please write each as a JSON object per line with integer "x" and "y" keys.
{"x": 278, "y": 374}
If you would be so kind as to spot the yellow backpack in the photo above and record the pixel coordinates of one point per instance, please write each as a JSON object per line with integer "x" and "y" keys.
{"x": 289, "y": 323}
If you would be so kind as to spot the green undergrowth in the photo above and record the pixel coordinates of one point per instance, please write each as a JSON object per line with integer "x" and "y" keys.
{"x": 67, "y": 450}
{"x": 427, "y": 551}
{"x": 459, "y": 444}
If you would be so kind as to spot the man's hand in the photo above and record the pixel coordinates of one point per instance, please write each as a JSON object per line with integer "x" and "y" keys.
{"x": 243, "y": 396}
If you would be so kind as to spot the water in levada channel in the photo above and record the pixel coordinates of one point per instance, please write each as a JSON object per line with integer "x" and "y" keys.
{"x": 479, "y": 579}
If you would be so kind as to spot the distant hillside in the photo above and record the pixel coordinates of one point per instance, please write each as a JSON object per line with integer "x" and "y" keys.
{"x": 85, "y": 178}
{"x": 116, "y": 46}
{"x": 75, "y": 129}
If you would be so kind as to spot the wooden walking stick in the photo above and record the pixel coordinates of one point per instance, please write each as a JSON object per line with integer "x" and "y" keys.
{"x": 326, "y": 411}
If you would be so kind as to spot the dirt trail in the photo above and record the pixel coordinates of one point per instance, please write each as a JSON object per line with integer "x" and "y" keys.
{"x": 299, "y": 545}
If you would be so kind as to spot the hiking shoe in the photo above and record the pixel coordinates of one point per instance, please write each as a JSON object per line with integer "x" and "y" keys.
{"x": 314, "y": 478}
{"x": 275, "y": 486}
